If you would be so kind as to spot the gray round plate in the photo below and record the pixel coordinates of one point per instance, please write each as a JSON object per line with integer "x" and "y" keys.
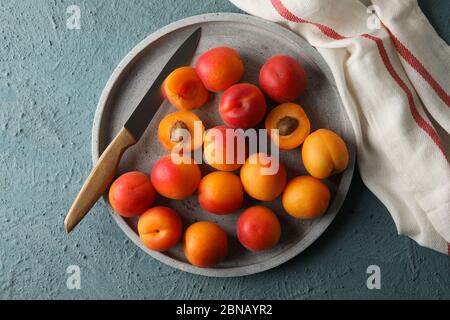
{"x": 256, "y": 40}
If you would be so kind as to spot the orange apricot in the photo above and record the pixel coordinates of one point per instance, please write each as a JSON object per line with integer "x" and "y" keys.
{"x": 263, "y": 177}
{"x": 160, "y": 228}
{"x": 175, "y": 180}
{"x": 292, "y": 124}
{"x": 324, "y": 153}
{"x": 219, "y": 68}
{"x": 131, "y": 194}
{"x": 242, "y": 106}
{"x": 283, "y": 78}
{"x": 258, "y": 228}
{"x": 205, "y": 244}
{"x": 170, "y": 134}
{"x": 184, "y": 89}
{"x": 306, "y": 197}
{"x": 222, "y": 150}
{"x": 220, "y": 192}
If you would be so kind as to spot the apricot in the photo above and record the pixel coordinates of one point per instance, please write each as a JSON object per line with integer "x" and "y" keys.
{"x": 205, "y": 244}
{"x": 292, "y": 124}
{"x": 258, "y": 228}
{"x": 221, "y": 150}
{"x": 324, "y": 153}
{"x": 175, "y": 180}
{"x": 131, "y": 194}
{"x": 219, "y": 68}
{"x": 184, "y": 89}
{"x": 242, "y": 106}
{"x": 283, "y": 79}
{"x": 306, "y": 197}
{"x": 221, "y": 192}
{"x": 160, "y": 228}
{"x": 263, "y": 177}
{"x": 169, "y": 130}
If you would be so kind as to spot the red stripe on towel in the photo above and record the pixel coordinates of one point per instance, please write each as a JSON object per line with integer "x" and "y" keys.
{"x": 419, "y": 67}
{"x": 285, "y": 13}
{"x": 412, "y": 106}
{"x": 331, "y": 33}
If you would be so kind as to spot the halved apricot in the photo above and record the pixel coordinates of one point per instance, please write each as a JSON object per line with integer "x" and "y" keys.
{"x": 292, "y": 124}
{"x": 170, "y": 130}
{"x": 184, "y": 89}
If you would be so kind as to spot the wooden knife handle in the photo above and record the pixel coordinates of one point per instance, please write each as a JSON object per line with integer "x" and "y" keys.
{"x": 99, "y": 179}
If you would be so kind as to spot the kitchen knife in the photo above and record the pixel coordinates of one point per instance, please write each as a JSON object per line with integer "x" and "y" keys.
{"x": 105, "y": 169}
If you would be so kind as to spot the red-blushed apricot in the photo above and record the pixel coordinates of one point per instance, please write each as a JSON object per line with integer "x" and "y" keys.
{"x": 175, "y": 180}
{"x": 292, "y": 124}
{"x": 324, "y": 153}
{"x": 219, "y": 68}
{"x": 205, "y": 244}
{"x": 220, "y": 192}
{"x": 242, "y": 106}
{"x": 169, "y": 127}
{"x": 160, "y": 228}
{"x": 221, "y": 150}
{"x": 263, "y": 177}
{"x": 184, "y": 89}
{"x": 258, "y": 228}
{"x": 131, "y": 194}
{"x": 283, "y": 79}
{"x": 306, "y": 197}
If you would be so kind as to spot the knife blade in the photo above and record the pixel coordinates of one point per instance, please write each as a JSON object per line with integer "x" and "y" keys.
{"x": 105, "y": 169}
{"x": 144, "y": 112}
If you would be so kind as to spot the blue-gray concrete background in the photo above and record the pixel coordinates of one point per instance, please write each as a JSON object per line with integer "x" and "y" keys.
{"x": 50, "y": 81}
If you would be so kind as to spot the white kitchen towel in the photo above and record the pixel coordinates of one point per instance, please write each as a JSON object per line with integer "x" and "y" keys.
{"x": 392, "y": 71}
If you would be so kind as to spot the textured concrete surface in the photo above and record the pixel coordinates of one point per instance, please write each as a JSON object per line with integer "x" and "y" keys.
{"x": 50, "y": 81}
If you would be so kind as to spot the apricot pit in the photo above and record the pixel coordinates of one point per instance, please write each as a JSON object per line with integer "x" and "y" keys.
{"x": 287, "y": 125}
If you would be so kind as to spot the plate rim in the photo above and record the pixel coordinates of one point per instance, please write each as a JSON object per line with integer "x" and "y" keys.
{"x": 273, "y": 261}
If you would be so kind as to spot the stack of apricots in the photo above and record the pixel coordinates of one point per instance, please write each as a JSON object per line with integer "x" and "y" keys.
{"x": 282, "y": 79}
